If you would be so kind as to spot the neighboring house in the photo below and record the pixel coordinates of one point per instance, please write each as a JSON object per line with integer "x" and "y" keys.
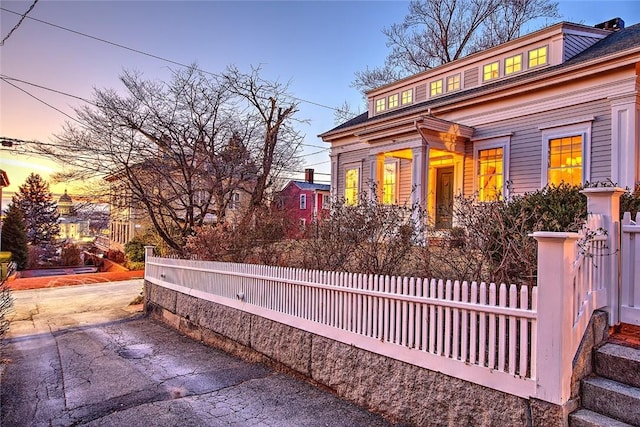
{"x": 302, "y": 201}
{"x": 128, "y": 218}
{"x": 72, "y": 228}
{"x": 559, "y": 104}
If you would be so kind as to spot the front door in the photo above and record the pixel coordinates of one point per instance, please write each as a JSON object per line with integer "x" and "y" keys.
{"x": 444, "y": 197}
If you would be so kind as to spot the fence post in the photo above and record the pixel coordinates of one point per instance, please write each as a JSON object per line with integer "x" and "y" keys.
{"x": 605, "y": 201}
{"x": 148, "y": 252}
{"x": 553, "y": 358}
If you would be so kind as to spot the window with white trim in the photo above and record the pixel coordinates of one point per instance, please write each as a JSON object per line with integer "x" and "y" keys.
{"x": 303, "y": 201}
{"x": 234, "y": 203}
{"x": 566, "y": 154}
{"x": 491, "y": 168}
{"x": 436, "y": 87}
{"x": 513, "y": 64}
{"x": 326, "y": 201}
{"x": 407, "y": 96}
{"x": 393, "y": 101}
{"x": 453, "y": 83}
{"x": 490, "y": 71}
{"x": 538, "y": 57}
{"x": 390, "y": 183}
{"x": 351, "y": 186}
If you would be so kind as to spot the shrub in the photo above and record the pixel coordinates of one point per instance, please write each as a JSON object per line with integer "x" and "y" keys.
{"x": 630, "y": 202}
{"x": 134, "y": 249}
{"x": 70, "y": 255}
{"x": 6, "y": 299}
{"x": 116, "y": 256}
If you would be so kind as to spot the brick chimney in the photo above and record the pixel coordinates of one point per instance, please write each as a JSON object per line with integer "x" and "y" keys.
{"x": 308, "y": 175}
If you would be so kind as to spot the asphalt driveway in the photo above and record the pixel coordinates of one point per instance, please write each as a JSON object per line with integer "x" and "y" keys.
{"x": 82, "y": 356}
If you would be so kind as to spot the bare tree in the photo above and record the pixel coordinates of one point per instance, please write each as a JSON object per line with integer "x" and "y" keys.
{"x": 435, "y": 32}
{"x": 180, "y": 149}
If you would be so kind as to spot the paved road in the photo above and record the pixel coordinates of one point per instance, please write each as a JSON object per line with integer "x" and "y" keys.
{"x": 81, "y": 356}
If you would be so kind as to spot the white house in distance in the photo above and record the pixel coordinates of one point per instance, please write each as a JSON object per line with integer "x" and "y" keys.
{"x": 559, "y": 104}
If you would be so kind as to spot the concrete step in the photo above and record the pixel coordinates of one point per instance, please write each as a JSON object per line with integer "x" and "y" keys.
{"x": 587, "y": 418}
{"x": 618, "y": 363}
{"x": 611, "y": 398}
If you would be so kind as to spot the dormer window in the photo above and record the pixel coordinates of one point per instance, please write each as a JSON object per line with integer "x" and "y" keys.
{"x": 453, "y": 83}
{"x": 513, "y": 64}
{"x": 393, "y": 101}
{"x": 538, "y": 57}
{"x": 490, "y": 71}
{"x": 407, "y": 96}
{"x": 436, "y": 87}
{"x": 380, "y": 105}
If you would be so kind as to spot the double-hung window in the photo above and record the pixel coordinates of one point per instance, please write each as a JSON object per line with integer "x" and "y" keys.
{"x": 393, "y": 101}
{"x": 303, "y": 201}
{"x": 513, "y": 64}
{"x": 491, "y": 167}
{"x": 390, "y": 183}
{"x": 351, "y": 186}
{"x": 566, "y": 153}
{"x": 380, "y": 105}
{"x": 490, "y": 71}
{"x": 407, "y": 97}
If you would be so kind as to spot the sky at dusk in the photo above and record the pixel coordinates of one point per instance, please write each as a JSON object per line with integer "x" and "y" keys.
{"x": 317, "y": 46}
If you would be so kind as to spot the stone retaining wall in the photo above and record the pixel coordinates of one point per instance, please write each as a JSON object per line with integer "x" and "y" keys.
{"x": 399, "y": 391}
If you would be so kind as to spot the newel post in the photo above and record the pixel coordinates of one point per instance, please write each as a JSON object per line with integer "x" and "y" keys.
{"x": 554, "y": 356}
{"x": 605, "y": 201}
{"x": 148, "y": 252}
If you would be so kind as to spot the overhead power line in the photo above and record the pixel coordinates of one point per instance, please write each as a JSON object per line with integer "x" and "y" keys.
{"x": 19, "y": 22}
{"x": 151, "y": 55}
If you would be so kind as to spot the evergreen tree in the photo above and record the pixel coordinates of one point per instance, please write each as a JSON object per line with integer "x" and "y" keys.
{"x": 40, "y": 212}
{"x": 14, "y": 237}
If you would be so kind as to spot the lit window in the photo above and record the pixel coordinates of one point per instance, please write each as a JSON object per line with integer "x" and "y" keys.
{"x": 453, "y": 83}
{"x": 490, "y": 71}
{"x": 351, "y": 186}
{"x": 490, "y": 174}
{"x": 407, "y": 97}
{"x": 436, "y": 87}
{"x": 380, "y": 105}
{"x": 389, "y": 180}
{"x": 393, "y": 101}
{"x": 565, "y": 160}
{"x": 303, "y": 201}
{"x": 537, "y": 57}
{"x": 513, "y": 64}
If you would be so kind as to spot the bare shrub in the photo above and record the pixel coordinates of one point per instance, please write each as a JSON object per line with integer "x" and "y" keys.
{"x": 370, "y": 237}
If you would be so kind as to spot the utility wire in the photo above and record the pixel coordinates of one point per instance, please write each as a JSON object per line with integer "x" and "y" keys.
{"x": 19, "y": 22}
{"x": 7, "y": 79}
{"x": 121, "y": 46}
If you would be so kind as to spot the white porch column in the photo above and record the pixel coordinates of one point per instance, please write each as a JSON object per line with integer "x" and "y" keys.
{"x": 605, "y": 201}
{"x": 625, "y": 140}
{"x": 419, "y": 175}
{"x": 376, "y": 168}
{"x": 334, "y": 175}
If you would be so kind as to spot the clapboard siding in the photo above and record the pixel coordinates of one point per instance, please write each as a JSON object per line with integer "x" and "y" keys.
{"x": 525, "y": 169}
{"x": 574, "y": 44}
{"x": 421, "y": 92}
{"x": 404, "y": 192}
{"x": 471, "y": 78}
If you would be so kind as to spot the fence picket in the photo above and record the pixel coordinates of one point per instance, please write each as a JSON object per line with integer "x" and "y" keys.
{"x": 524, "y": 332}
{"x": 502, "y": 329}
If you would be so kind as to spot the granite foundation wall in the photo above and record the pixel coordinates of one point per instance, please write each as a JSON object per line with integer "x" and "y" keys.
{"x": 401, "y": 392}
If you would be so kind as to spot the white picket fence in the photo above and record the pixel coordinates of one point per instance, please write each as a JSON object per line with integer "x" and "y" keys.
{"x": 630, "y": 274}
{"x": 475, "y": 331}
{"x": 495, "y": 336}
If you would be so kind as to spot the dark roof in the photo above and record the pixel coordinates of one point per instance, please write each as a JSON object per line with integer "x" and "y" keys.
{"x": 626, "y": 38}
{"x": 304, "y": 185}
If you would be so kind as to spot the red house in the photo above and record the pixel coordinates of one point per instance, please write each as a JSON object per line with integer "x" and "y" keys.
{"x": 302, "y": 201}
